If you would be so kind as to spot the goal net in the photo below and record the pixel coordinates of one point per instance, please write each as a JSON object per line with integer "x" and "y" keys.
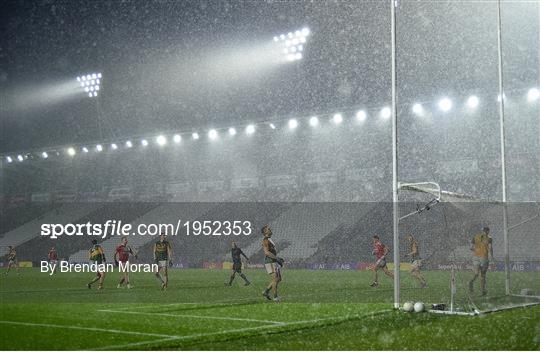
{"x": 443, "y": 247}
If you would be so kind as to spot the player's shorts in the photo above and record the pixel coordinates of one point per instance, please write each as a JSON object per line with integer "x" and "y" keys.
{"x": 416, "y": 264}
{"x": 237, "y": 267}
{"x": 53, "y": 261}
{"x": 273, "y": 268}
{"x": 12, "y": 262}
{"x": 163, "y": 263}
{"x": 381, "y": 263}
{"x": 481, "y": 263}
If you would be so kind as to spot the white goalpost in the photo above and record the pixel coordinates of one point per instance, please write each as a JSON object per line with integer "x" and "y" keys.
{"x": 433, "y": 189}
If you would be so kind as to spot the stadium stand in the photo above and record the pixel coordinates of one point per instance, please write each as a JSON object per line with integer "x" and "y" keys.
{"x": 67, "y": 213}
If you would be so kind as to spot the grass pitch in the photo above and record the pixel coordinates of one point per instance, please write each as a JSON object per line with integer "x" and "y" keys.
{"x": 320, "y": 310}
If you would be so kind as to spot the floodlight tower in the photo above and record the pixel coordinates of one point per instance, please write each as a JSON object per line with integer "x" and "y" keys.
{"x": 90, "y": 84}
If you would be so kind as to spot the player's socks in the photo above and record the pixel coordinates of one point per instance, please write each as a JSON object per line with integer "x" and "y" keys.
{"x": 129, "y": 286}
{"x": 231, "y": 280}
{"x": 247, "y": 283}
{"x": 89, "y": 285}
{"x": 266, "y": 294}
{"x": 245, "y": 279}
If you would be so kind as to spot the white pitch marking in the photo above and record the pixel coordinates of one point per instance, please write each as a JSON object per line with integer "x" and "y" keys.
{"x": 192, "y": 316}
{"x": 85, "y": 328}
{"x": 273, "y": 326}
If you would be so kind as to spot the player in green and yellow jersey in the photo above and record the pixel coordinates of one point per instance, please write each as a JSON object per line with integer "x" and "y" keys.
{"x": 162, "y": 257}
{"x": 12, "y": 260}
{"x": 272, "y": 264}
{"x": 416, "y": 261}
{"x": 482, "y": 247}
{"x": 97, "y": 255}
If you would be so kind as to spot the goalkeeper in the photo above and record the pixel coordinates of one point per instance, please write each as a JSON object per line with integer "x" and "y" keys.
{"x": 272, "y": 263}
{"x": 482, "y": 247}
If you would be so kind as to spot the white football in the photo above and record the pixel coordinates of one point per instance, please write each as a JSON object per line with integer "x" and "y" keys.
{"x": 419, "y": 307}
{"x": 408, "y": 306}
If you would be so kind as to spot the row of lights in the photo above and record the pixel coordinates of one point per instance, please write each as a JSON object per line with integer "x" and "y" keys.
{"x": 385, "y": 113}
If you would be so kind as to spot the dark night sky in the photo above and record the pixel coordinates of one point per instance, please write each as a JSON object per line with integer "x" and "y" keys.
{"x": 147, "y": 51}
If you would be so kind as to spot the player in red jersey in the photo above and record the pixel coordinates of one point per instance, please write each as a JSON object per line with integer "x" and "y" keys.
{"x": 53, "y": 258}
{"x": 122, "y": 253}
{"x": 380, "y": 251}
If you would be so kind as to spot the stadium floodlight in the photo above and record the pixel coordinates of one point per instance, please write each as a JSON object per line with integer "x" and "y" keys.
{"x": 161, "y": 140}
{"x": 386, "y": 112}
{"x": 212, "y": 134}
{"x": 44, "y": 155}
{"x": 250, "y": 129}
{"x": 272, "y": 126}
{"x": 99, "y": 147}
{"x": 314, "y": 121}
{"x": 114, "y": 146}
{"x": 195, "y": 135}
{"x": 9, "y": 159}
{"x": 293, "y": 123}
{"x": 418, "y": 109}
{"x": 472, "y": 102}
{"x": 90, "y": 83}
{"x": 177, "y": 138}
{"x": 445, "y": 104}
{"x": 361, "y": 116}
{"x": 71, "y": 151}
{"x": 232, "y": 131}
{"x": 144, "y": 142}
{"x": 532, "y": 95}
{"x": 129, "y": 144}
{"x": 20, "y": 158}
{"x": 292, "y": 45}
{"x": 337, "y": 119}
{"x": 85, "y": 150}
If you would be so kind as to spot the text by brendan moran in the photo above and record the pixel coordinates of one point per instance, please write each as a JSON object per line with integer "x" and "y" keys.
{"x": 64, "y": 266}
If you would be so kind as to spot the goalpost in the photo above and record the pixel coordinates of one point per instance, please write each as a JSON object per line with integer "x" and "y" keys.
{"x": 444, "y": 224}
{"x": 434, "y": 189}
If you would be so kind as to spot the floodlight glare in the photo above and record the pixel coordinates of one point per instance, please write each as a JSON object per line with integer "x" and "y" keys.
{"x": 232, "y": 131}
{"x": 314, "y": 121}
{"x": 445, "y": 104}
{"x": 212, "y": 134}
{"x": 129, "y": 144}
{"x": 472, "y": 102}
{"x": 177, "y": 138}
{"x": 44, "y": 155}
{"x": 289, "y": 45}
{"x": 386, "y": 112}
{"x": 144, "y": 142}
{"x": 251, "y": 129}
{"x": 337, "y": 119}
{"x": 99, "y": 148}
{"x": 361, "y": 116}
{"x": 71, "y": 152}
{"x": 272, "y": 126}
{"x": 114, "y": 146}
{"x": 90, "y": 83}
{"x": 195, "y": 135}
{"x": 161, "y": 140}
{"x": 20, "y": 158}
{"x": 9, "y": 160}
{"x": 533, "y": 94}
{"x": 418, "y": 109}
{"x": 85, "y": 150}
{"x": 293, "y": 124}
